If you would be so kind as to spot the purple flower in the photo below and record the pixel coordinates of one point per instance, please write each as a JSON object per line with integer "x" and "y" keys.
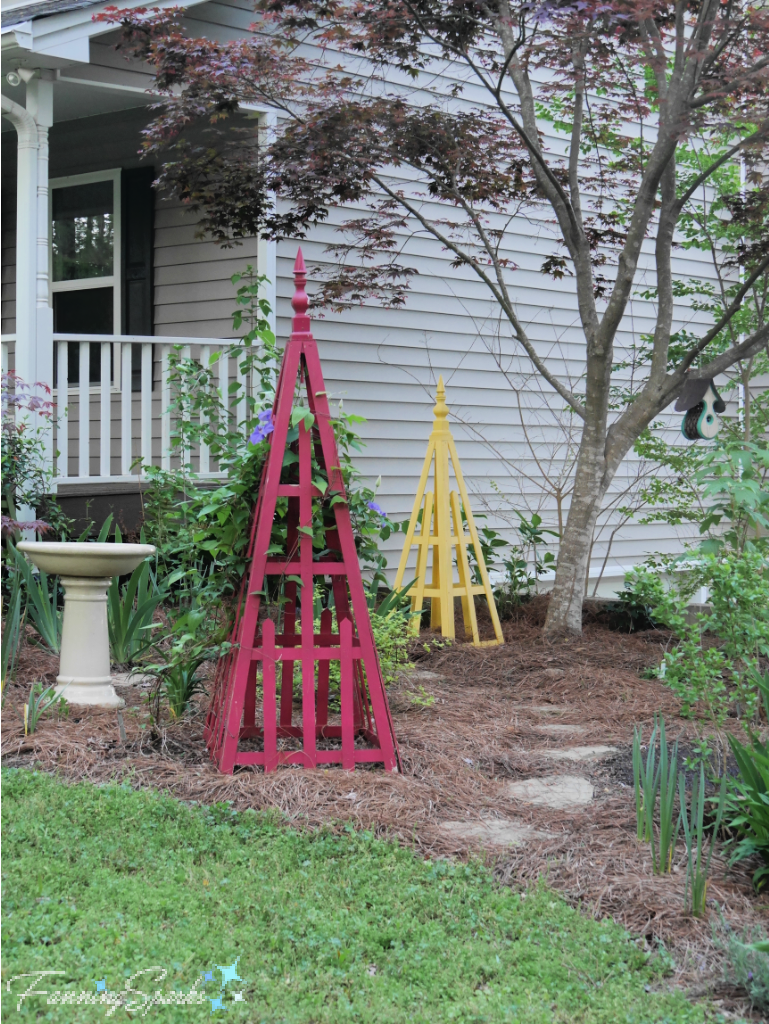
{"x": 264, "y": 427}
{"x": 377, "y": 508}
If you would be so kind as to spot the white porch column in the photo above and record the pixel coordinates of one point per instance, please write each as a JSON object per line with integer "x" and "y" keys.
{"x": 34, "y": 315}
{"x": 26, "y": 238}
{"x": 40, "y": 106}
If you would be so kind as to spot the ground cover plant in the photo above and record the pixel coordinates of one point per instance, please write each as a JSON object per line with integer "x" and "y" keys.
{"x": 100, "y": 882}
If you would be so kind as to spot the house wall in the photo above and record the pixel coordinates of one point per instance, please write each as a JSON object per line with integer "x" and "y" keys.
{"x": 384, "y": 364}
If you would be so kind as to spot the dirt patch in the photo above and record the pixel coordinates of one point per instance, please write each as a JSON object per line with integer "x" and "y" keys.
{"x": 459, "y": 753}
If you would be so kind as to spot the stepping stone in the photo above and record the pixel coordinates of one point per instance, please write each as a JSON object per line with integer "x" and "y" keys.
{"x": 497, "y": 831}
{"x": 543, "y": 709}
{"x": 556, "y": 791}
{"x": 419, "y": 675}
{"x": 131, "y": 678}
{"x": 559, "y": 728}
{"x": 580, "y": 753}
{"x": 554, "y": 673}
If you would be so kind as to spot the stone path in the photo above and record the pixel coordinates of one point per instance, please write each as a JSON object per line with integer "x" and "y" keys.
{"x": 558, "y": 728}
{"x": 594, "y": 753}
{"x": 556, "y": 791}
{"x": 497, "y": 831}
{"x": 131, "y": 679}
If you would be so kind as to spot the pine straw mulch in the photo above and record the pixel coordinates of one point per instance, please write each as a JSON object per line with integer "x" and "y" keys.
{"x": 458, "y": 753}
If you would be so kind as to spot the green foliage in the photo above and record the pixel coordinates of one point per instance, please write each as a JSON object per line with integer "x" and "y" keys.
{"x": 516, "y": 560}
{"x": 714, "y": 658}
{"x": 202, "y": 532}
{"x": 179, "y": 682}
{"x": 721, "y": 488}
{"x": 100, "y": 882}
{"x": 41, "y": 595}
{"x": 13, "y": 625}
{"x": 748, "y": 805}
{"x": 39, "y": 701}
{"x": 392, "y": 637}
{"x": 746, "y": 963}
{"x": 734, "y": 477}
{"x": 129, "y": 612}
{"x": 420, "y": 698}
{"x": 195, "y": 638}
{"x": 693, "y": 820}
{"x": 653, "y": 780}
{"x": 25, "y": 470}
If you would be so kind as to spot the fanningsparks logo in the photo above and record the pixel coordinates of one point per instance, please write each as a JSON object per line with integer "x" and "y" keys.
{"x": 134, "y": 999}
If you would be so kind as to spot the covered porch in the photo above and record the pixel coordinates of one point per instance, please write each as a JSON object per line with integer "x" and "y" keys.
{"x": 102, "y": 276}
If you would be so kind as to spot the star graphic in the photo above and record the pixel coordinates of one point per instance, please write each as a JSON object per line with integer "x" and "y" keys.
{"x": 229, "y": 973}
{"x": 238, "y": 997}
{"x": 101, "y": 986}
{"x": 207, "y": 976}
{"x": 217, "y": 1004}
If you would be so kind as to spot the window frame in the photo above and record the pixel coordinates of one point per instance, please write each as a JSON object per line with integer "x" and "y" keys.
{"x": 114, "y": 280}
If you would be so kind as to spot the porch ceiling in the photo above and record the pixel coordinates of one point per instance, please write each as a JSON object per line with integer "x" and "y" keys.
{"x": 73, "y": 100}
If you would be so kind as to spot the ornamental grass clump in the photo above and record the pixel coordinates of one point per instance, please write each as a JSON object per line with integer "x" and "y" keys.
{"x": 697, "y": 864}
{"x": 39, "y": 701}
{"x": 651, "y": 781}
{"x": 748, "y": 803}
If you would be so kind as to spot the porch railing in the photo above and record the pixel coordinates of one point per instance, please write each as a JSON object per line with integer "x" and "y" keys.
{"x": 112, "y": 403}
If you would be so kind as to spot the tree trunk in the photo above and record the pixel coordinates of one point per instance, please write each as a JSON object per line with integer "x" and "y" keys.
{"x": 591, "y": 482}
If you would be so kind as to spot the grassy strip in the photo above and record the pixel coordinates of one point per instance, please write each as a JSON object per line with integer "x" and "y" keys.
{"x": 102, "y": 882}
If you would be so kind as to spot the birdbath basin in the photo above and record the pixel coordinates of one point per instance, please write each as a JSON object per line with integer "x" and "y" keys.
{"x": 86, "y": 570}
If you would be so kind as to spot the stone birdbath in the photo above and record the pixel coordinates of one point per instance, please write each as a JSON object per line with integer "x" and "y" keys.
{"x": 86, "y": 570}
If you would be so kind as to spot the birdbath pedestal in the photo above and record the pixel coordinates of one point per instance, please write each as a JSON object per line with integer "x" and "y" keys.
{"x": 86, "y": 570}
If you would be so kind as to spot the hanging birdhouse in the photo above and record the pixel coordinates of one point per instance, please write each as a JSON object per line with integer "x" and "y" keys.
{"x": 702, "y": 404}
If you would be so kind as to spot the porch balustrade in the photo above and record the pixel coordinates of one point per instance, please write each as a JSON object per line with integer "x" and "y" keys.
{"x": 112, "y": 414}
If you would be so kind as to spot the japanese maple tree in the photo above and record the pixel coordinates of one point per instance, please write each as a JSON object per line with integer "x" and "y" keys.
{"x": 624, "y": 87}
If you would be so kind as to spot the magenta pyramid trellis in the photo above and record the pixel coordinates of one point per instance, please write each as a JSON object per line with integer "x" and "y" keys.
{"x": 240, "y": 728}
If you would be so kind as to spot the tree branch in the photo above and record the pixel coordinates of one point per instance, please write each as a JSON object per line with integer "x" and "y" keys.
{"x": 703, "y": 343}
{"x": 724, "y": 158}
{"x": 499, "y": 295}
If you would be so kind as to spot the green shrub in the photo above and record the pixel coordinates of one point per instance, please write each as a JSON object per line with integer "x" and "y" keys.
{"x": 748, "y": 804}
{"x": 746, "y": 966}
{"x": 41, "y": 596}
{"x": 202, "y": 533}
{"x": 129, "y": 611}
{"x": 713, "y": 660}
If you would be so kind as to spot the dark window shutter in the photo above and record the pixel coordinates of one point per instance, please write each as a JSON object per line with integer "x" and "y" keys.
{"x": 138, "y": 202}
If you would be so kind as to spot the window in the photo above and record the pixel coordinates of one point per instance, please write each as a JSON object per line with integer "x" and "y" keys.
{"x": 85, "y": 262}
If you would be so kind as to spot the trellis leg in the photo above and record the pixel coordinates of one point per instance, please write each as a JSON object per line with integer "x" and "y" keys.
{"x": 414, "y": 518}
{"x": 324, "y": 669}
{"x": 307, "y": 610}
{"x": 269, "y": 703}
{"x": 423, "y": 551}
{"x": 346, "y": 675}
{"x": 289, "y": 618}
{"x": 465, "y": 576}
{"x": 476, "y": 544}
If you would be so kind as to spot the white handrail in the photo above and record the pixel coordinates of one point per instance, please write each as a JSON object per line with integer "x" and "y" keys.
{"x": 130, "y": 419}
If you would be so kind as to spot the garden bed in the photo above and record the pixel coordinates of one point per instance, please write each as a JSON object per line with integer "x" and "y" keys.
{"x": 469, "y": 721}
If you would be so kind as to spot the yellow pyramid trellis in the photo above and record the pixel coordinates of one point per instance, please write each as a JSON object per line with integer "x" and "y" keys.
{"x": 441, "y": 510}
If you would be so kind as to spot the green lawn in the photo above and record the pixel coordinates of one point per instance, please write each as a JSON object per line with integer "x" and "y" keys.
{"x": 100, "y": 883}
